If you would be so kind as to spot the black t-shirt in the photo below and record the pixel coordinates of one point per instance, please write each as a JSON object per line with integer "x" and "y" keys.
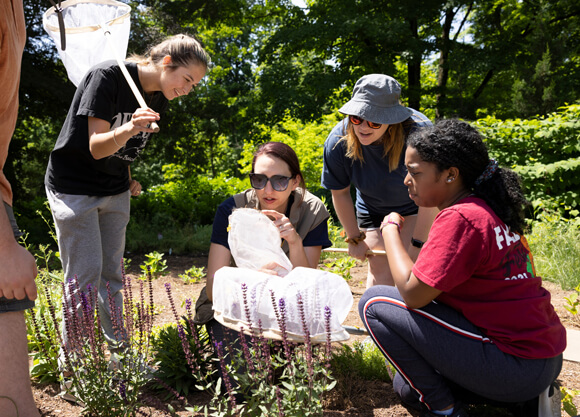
{"x": 103, "y": 93}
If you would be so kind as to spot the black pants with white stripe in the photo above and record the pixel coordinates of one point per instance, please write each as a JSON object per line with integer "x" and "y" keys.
{"x": 436, "y": 348}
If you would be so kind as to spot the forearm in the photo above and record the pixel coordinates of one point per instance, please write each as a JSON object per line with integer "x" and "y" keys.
{"x": 107, "y": 143}
{"x": 297, "y": 255}
{"x": 344, "y": 208}
{"x": 219, "y": 256}
{"x": 400, "y": 262}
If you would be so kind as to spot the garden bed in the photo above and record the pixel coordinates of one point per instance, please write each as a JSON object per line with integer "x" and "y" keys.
{"x": 366, "y": 399}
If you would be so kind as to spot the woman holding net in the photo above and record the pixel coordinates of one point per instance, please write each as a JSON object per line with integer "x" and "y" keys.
{"x": 88, "y": 180}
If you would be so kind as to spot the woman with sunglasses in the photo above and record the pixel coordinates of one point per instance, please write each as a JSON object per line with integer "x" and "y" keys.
{"x": 366, "y": 149}
{"x": 278, "y": 190}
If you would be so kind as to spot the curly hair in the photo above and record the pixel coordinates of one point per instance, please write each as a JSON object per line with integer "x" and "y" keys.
{"x": 454, "y": 143}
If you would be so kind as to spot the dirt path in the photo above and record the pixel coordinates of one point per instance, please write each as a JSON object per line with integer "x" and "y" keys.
{"x": 373, "y": 400}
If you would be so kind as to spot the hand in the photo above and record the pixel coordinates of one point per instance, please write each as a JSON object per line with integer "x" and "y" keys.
{"x": 287, "y": 231}
{"x": 141, "y": 120}
{"x": 358, "y": 251}
{"x": 135, "y": 188}
{"x": 17, "y": 273}
{"x": 274, "y": 268}
{"x": 391, "y": 220}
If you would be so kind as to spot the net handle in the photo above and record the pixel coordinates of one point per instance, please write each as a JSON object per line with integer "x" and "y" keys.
{"x": 61, "y": 27}
{"x": 128, "y": 77}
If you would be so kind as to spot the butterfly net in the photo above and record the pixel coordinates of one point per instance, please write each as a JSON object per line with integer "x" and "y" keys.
{"x": 84, "y": 37}
{"x": 302, "y": 300}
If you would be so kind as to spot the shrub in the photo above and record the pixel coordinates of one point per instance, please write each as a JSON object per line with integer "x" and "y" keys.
{"x": 169, "y": 357}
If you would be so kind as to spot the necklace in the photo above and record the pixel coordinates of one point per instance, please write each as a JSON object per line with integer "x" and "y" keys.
{"x": 460, "y": 196}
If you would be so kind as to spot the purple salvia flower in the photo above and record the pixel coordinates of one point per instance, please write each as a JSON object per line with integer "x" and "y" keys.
{"x": 52, "y": 312}
{"x": 151, "y": 304}
{"x": 307, "y": 342}
{"x": 128, "y": 303}
{"x": 265, "y": 352}
{"x": 245, "y": 300}
{"x": 170, "y": 296}
{"x": 327, "y": 316}
{"x": 193, "y": 365}
{"x": 246, "y": 352}
{"x": 227, "y": 381}
{"x": 188, "y": 312}
{"x": 279, "y": 402}
{"x": 116, "y": 314}
{"x": 285, "y": 342}
{"x": 123, "y": 391}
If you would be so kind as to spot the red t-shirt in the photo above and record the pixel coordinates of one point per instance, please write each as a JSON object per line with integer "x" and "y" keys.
{"x": 486, "y": 272}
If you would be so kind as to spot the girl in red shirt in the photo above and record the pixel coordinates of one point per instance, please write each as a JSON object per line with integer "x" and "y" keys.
{"x": 470, "y": 319}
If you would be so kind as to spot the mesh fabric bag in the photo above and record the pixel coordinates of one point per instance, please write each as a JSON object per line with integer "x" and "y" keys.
{"x": 244, "y": 297}
{"x": 86, "y": 44}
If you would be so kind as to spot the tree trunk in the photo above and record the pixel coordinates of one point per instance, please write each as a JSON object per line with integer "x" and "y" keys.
{"x": 443, "y": 66}
{"x": 414, "y": 71}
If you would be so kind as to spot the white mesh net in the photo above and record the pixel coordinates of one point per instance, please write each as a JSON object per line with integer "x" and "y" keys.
{"x": 245, "y": 297}
{"x": 86, "y": 44}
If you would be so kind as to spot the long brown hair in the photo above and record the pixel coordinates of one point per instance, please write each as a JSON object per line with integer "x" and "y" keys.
{"x": 184, "y": 50}
{"x": 393, "y": 143}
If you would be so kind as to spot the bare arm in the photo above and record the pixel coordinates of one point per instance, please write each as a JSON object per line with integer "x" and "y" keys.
{"x": 103, "y": 142}
{"x": 344, "y": 208}
{"x": 18, "y": 267}
{"x": 219, "y": 256}
{"x": 415, "y": 292}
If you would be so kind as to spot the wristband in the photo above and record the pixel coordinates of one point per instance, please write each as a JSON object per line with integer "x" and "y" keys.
{"x": 383, "y": 224}
{"x": 114, "y": 139}
{"x": 417, "y": 243}
{"x": 355, "y": 240}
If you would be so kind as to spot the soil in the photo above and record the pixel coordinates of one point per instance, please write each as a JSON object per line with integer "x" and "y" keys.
{"x": 363, "y": 399}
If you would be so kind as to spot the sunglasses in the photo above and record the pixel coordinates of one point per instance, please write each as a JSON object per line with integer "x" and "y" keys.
{"x": 279, "y": 182}
{"x": 355, "y": 120}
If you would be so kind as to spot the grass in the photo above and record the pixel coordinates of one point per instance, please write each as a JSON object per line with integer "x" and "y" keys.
{"x": 555, "y": 245}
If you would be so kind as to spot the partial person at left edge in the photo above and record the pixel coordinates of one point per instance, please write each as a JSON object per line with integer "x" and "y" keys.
{"x": 17, "y": 265}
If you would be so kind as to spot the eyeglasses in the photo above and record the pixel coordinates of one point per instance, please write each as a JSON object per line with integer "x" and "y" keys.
{"x": 279, "y": 182}
{"x": 355, "y": 120}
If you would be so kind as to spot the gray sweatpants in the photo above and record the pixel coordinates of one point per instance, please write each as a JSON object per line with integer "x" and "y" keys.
{"x": 91, "y": 239}
{"x": 435, "y": 345}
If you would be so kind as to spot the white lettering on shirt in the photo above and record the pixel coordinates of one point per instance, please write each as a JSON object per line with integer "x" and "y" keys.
{"x": 503, "y": 234}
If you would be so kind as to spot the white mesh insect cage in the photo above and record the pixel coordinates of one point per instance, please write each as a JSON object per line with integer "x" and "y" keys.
{"x": 84, "y": 25}
{"x": 245, "y": 296}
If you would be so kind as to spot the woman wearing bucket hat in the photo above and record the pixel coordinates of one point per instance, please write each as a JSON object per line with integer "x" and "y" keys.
{"x": 366, "y": 150}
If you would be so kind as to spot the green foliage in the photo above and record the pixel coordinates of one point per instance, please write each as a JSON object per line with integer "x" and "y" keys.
{"x": 154, "y": 265}
{"x": 573, "y": 302}
{"x": 193, "y": 275}
{"x": 45, "y": 319}
{"x": 360, "y": 361}
{"x": 172, "y": 367}
{"x": 184, "y": 199}
{"x": 307, "y": 140}
{"x": 568, "y": 405}
{"x": 555, "y": 245}
{"x": 545, "y": 152}
{"x": 340, "y": 266}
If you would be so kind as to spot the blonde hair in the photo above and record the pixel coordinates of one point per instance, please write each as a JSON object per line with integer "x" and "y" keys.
{"x": 184, "y": 50}
{"x": 393, "y": 141}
